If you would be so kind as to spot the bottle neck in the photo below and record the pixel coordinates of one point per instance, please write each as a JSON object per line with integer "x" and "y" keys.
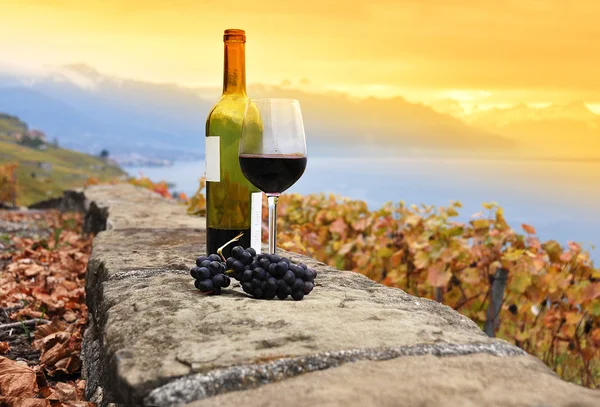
{"x": 234, "y": 74}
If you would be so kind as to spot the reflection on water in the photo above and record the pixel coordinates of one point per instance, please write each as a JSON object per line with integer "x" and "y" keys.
{"x": 561, "y": 199}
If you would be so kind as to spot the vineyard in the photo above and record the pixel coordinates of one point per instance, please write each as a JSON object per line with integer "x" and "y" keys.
{"x": 541, "y": 296}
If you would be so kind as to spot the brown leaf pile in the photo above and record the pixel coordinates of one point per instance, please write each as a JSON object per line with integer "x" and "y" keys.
{"x": 43, "y": 276}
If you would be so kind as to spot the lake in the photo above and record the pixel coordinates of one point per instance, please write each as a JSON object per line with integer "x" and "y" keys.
{"x": 561, "y": 199}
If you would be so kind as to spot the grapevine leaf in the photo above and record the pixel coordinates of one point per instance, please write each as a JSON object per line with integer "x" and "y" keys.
{"x": 421, "y": 260}
{"x": 339, "y": 227}
{"x": 438, "y": 275}
{"x": 452, "y": 212}
{"x": 520, "y": 282}
{"x": 590, "y": 292}
{"x": 396, "y": 258}
{"x": 528, "y": 228}
{"x": 480, "y": 224}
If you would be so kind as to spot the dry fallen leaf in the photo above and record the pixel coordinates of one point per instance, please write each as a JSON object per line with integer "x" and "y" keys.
{"x": 33, "y": 270}
{"x": 43, "y": 331}
{"x": 70, "y": 316}
{"x": 21, "y": 402}
{"x": 80, "y": 387}
{"x": 16, "y": 379}
{"x": 4, "y": 348}
{"x": 65, "y": 391}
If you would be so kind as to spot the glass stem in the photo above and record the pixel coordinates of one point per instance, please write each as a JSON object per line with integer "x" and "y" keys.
{"x": 272, "y": 201}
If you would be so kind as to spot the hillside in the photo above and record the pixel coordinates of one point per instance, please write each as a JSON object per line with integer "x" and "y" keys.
{"x": 11, "y": 124}
{"x": 43, "y": 174}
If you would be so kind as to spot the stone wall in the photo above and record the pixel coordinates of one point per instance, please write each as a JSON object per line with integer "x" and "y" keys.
{"x": 153, "y": 339}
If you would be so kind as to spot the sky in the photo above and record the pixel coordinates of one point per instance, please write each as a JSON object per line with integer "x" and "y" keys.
{"x": 485, "y": 52}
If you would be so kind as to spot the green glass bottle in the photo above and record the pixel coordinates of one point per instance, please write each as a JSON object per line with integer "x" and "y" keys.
{"x": 233, "y": 204}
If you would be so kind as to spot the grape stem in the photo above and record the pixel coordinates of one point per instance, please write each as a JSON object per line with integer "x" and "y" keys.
{"x": 235, "y": 239}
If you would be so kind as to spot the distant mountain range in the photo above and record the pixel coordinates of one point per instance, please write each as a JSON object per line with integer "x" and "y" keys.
{"x": 89, "y": 111}
{"x": 566, "y": 130}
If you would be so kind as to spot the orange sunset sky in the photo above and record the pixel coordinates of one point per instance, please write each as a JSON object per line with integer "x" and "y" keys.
{"x": 482, "y": 53}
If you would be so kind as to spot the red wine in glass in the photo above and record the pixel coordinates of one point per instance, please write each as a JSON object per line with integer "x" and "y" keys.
{"x": 272, "y": 173}
{"x": 272, "y": 152}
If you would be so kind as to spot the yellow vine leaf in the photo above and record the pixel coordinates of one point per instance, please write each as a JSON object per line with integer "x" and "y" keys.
{"x": 520, "y": 282}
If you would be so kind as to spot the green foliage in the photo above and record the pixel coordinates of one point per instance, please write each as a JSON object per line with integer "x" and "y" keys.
{"x": 551, "y": 306}
{"x": 32, "y": 142}
{"x": 11, "y": 124}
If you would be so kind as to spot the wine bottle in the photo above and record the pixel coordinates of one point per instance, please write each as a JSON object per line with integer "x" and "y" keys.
{"x": 233, "y": 204}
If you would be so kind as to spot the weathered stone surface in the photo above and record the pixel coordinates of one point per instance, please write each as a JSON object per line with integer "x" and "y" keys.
{"x": 466, "y": 381}
{"x": 218, "y": 381}
{"x": 154, "y": 339}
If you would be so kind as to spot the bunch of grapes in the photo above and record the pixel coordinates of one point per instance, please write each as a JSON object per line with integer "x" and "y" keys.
{"x": 210, "y": 274}
{"x": 264, "y": 276}
{"x": 269, "y": 275}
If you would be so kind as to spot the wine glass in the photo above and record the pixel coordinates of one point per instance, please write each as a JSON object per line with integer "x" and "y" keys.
{"x": 272, "y": 150}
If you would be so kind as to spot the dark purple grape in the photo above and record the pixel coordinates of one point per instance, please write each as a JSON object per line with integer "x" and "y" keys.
{"x": 264, "y": 263}
{"x": 297, "y": 295}
{"x": 214, "y": 257}
{"x": 245, "y": 257}
{"x": 286, "y": 260}
{"x": 298, "y": 285}
{"x": 256, "y": 283}
{"x": 298, "y": 272}
{"x": 229, "y": 262}
{"x": 254, "y": 264}
{"x": 206, "y": 286}
{"x": 270, "y": 294}
{"x": 194, "y": 272}
{"x": 247, "y": 276}
{"x": 258, "y": 293}
{"x": 282, "y": 294}
{"x": 227, "y": 281}
{"x": 197, "y": 284}
{"x": 215, "y": 268}
{"x": 308, "y": 275}
{"x": 273, "y": 258}
{"x": 251, "y": 251}
{"x": 259, "y": 273}
{"x": 282, "y": 267}
{"x": 203, "y": 273}
{"x": 247, "y": 287}
{"x": 308, "y": 286}
{"x": 304, "y": 267}
{"x": 273, "y": 270}
{"x": 199, "y": 261}
{"x": 289, "y": 277}
{"x": 205, "y": 263}
{"x": 238, "y": 267}
{"x": 272, "y": 284}
{"x": 261, "y": 256}
{"x": 237, "y": 252}
{"x": 219, "y": 280}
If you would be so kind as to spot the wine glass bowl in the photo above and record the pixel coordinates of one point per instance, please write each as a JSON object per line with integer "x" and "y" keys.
{"x": 272, "y": 151}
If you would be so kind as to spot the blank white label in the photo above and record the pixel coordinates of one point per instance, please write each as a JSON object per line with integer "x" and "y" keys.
{"x": 212, "y": 158}
{"x": 256, "y": 221}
